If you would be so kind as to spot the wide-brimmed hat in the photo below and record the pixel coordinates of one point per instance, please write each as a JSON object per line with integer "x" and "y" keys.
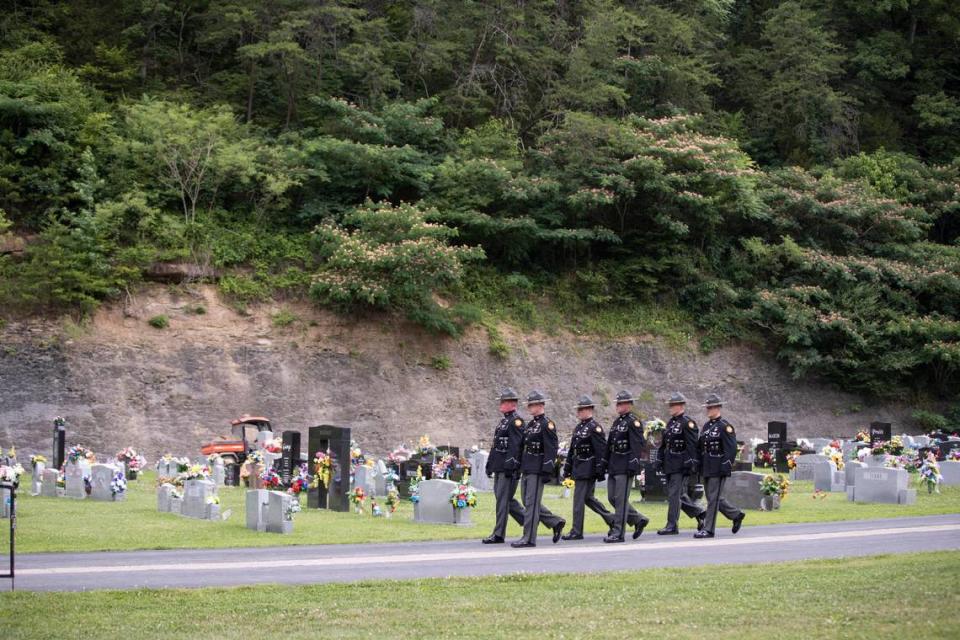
{"x": 536, "y": 397}
{"x": 677, "y": 398}
{"x": 624, "y": 396}
{"x": 507, "y": 394}
{"x": 584, "y": 402}
{"x": 713, "y": 400}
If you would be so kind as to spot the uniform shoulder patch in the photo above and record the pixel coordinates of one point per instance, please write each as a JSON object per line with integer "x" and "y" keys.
{"x": 729, "y": 428}
{"x": 517, "y": 422}
{"x": 599, "y": 429}
{"x": 549, "y": 426}
{"x": 692, "y": 424}
{"x": 636, "y": 423}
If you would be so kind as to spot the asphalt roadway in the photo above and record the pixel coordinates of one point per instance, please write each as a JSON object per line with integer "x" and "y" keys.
{"x": 406, "y": 560}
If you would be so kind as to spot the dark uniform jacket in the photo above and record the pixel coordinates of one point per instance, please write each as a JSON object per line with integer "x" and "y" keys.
{"x": 625, "y": 445}
{"x": 507, "y": 441}
{"x": 540, "y": 446}
{"x": 587, "y": 455}
{"x": 718, "y": 448}
{"x": 679, "y": 450}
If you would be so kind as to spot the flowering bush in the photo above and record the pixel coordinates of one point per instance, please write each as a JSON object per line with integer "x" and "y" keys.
{"x": 463, "y": 496}
{"x": 775, "y": 485}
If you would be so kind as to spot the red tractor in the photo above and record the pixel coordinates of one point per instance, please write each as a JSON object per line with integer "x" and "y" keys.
{"x": 235, "y": 450}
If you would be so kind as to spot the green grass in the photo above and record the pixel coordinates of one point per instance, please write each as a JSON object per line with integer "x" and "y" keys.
{"x": 60, "y": 524}
{"x": 906, "y": 596}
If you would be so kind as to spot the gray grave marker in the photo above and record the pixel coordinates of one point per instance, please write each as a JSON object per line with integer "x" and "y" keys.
{"x": 277, "y": 512}
{"x": 164, "y": 494}
{"x": 950, "y": 470}
{"x": 49, "y": 488}
{"x": 36, "y": 484}
{"x": 256, "y": 511}
{"x": 73, "y": 474}
{"x": 478, "y": 474}
{"x": 884, "y": 485}
{"x": 434, "y": 505}
{"x": 827, "y": 478}
{"x": 101, "y": 475}
{"x": 806, "y": 464}
{"x": 742, "y": 489}
{"x": 195, "y": 494}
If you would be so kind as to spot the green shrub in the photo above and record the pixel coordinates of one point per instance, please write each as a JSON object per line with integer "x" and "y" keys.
{"x": 159, "y": 322}
{"x": 440, "y": 363}
{"x": 283, "y": 318}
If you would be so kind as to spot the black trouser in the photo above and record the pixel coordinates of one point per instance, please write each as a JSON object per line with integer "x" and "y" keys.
{"x": 504, "y": 490}
{"x": 533, "y": 511}
{"x": 715, "y": 501}
{"x": 618, "y": 493}
{"x": 678, "y": 498}
{"x": 583, "y": 496}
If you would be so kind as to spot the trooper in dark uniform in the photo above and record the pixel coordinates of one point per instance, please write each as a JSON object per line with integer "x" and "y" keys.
{"x": 624, "y": 447}
{"x": 718, "y": 450}
{"x": 586, "y": 460}
{"x": 678, "y": 457}
{"x": 504, "y": 465}
{"x": 540, "y": 446}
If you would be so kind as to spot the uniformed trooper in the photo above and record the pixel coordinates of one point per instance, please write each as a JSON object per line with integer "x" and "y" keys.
{"x": 540, "y": 446}
{"x": 504, "y": 465}
{"x": 678, "y": 458}
{"x": 624, "y": 447}
{"x": 586, "y": 460}
{"x": 718, "y": 450}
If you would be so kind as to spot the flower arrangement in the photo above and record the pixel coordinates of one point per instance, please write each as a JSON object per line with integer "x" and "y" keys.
{"x": 862, "y": 436}
{"x": 425, "y": 447}
{"x": 954, "y": 455}
{"x": 895, "y": 446}
{"x": 36, "y": 459}
{"x": 133, "y": 460}
{"x": 399, "y": 455}
{"x": 11, "y": 473}
{"x": 862, "y": 454}
{"x": 271, "y": 479}
{"x": 764, "y": 458}
{"x": 196, "y": 472}
{"x": 414, "y": 486}
{"x": 299, "y": 483}
{"x": 255, "y": 457}
{"x": 322, "y": 470}
{"x": 77, "y": 453}
{"x": 653, "y": 427}
{"x": 356, "y": 454}
{"x": 835, "y": 453}
{"x": 878, "y": 448}
{"x": 375, "y": 509}
{"x": 567, "y": 483}
{"x": 930, "y": 474}
{"x": 391, "y": 478}
{"x": 792, "y": 460}
{"x": 292, "y": 508}
{"x": 463, "y": 497}
{"x": 775, "y": 485}
{"x": 274, "y": 445}
{"x": 442, "y": 467}
{"x": 214, "y": 499}
{"x": 393, "y": 501}
{"x": 357, "y": 497}
{"x": 118, "y": 484}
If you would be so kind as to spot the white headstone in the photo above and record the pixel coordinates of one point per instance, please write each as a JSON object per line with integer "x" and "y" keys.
{"x": 950, "y": 470}
{"x": 278, "y": 515}
{"x": 380, "y": 478}
{"x": 742, "y": 489}
{"x": 217, "y": 473}
{"x": 101, "y": 476}
{"x": 195, "y": 494}
{"x": 49, "y": 488}
{"x": 363, "y": 477}
{"x": 434, "y": 505}
{"x": 850, "y": 471}
{"x": 827, "y": 478}
{"x": 36, "y": 484}
{"x": 163, "y": 497}
{"x": 255, "y": 503}
{"x": 73, "y": 474}
{"x": 874, "y": 484}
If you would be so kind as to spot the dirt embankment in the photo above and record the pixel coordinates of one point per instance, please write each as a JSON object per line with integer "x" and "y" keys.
{"x": 120, "y": 382}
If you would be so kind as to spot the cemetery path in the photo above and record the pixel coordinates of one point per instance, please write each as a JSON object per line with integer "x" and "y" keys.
{"x": 350, "y": 562}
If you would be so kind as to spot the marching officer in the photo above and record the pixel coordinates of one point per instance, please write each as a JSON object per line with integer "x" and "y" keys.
{"x": 718, "y": 450}
{"x": 585, "y": 464}
{"x": 678, "y": 458}
{"x": 624, "y": 446}
{"x": 504, "y": 465}
{"x": 540, "y": 446}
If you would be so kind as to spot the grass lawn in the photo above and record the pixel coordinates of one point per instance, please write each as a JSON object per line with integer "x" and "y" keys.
{"x": 904, "y": 596}
{"x": 61, "y": 524}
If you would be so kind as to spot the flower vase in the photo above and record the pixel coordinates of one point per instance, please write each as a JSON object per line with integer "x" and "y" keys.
{"x": 566, "y": 493}
{"x": 769, "y": 503}
{"x": 357, "y": 510}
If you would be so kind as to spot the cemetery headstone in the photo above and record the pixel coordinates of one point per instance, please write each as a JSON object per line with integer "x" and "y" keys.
{"x": 850, "y": 472}
{"x": 336, "y": 442}
{"x": 101, "y": 476}
{"x": 290, "y": 456}
{"x": 827, "y": 478}
{"x": 879, "y": 432}
{"x": 279, "y": 519}
{"x": 195, "y": 495}
{"x": 5, "y": 506}
{"x": 946, "y": 447}
{"x": 59, "y": 443}
{"x": 218, "y": 472}
{"x": 176, "y": 504}
{"x": 363, "y": 477}
{"x": 654, "y": 482}
{"x": 777, "y": 433}
{"x": 164, "y": 493}
{"x": 256, "y": 509}
{"x": 231, "y": 475}
{"x": 890, "y": 486}
{"x": 73, "y": 475}
{"x": 36, "y": 487}
{"x": 742, "y": 489}
{"x": 805, "y": 465}
{"x": 434, "y": 505}
{"x": 950, "y": 472}
{"x": 478, "y": 474}
{"x": 49, "y": 485}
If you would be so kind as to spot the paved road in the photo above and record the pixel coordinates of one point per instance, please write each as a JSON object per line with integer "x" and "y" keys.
{"x": 348, "y": 563}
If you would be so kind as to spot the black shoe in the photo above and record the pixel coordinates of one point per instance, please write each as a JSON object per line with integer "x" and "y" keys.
{"x": 703, "y": 534}
{"x": 668, "y": 531}
{"x": 572, "y": 536}
{"x": 613, "y": 539}
{"x": 638, "y": 528}
{"x": 738, "y": 522}
{"x": 493, "y": 540}
{"x": 520, "y": 544}
{"x": 700, "y": 521}
{"x": 558, "y": 531}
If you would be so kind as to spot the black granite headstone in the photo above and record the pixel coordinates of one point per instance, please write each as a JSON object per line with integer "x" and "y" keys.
{"x": 231, "y": 475}
{"x": 777, "y": 433}
{"x": 59, "y": 442}
{"x": 334, "y": 441}
{"x": 879, "y": 432}
{"x": 654, "y": 482}
{"x": 289, "y": 456}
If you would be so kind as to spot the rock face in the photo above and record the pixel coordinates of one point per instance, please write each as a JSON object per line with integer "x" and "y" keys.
{"x": 119, "y": 382}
